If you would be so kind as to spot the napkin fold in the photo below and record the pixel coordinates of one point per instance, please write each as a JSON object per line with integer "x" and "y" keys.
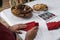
{"x": 53, "y": 25}
{"x": 30, "y": 25}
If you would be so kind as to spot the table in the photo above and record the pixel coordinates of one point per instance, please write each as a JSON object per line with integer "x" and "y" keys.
{"x": 43, "y": 32}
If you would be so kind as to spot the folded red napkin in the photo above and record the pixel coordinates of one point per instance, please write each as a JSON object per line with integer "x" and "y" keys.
{"x": 53, "y": 25}
{"x": 59, "y": 23}
{"x": 30, "y": 25}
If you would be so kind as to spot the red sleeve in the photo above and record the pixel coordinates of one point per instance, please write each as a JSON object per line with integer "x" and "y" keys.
{"x": 5, "y": 33}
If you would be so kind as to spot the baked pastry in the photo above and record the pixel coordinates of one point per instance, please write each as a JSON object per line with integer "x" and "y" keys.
{"x": 23, "y": 11}
{"x": 44, "y": 7}
{"x": 36, "y": 7}
{"x": 40, "y": 7}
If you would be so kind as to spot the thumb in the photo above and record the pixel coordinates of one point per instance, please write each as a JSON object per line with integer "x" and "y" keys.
{"x": 34, "y": 28}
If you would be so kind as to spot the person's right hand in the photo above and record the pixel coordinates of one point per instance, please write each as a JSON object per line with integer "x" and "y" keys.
{"x": 31, "y": 34}
{"x": 17, "y": 27}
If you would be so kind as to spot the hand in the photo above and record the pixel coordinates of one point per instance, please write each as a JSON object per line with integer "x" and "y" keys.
{"x": 17, "y": 27}
{"x": 31, "y": 34}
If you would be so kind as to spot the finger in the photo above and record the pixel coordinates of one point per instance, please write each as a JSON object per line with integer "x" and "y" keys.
{"x": 24, "y": 26}
{"x": 18, "y": 32}
{"x": 21, "y": 26}
{"x": 35, "y": 28}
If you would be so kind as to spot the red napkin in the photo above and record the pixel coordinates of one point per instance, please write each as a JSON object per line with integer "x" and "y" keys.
{"x": 59, "y": 23}
{"x": 30, "y": 25}
{"x": 53, "y": 25}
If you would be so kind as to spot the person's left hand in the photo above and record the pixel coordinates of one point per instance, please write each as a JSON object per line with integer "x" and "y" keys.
{"x": 17, "y": 27}
{"x": 31, "y": 34}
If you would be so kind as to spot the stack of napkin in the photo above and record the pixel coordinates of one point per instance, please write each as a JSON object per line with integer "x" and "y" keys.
{"x": 30, "y": 25}
{"x": 53, "y": 25}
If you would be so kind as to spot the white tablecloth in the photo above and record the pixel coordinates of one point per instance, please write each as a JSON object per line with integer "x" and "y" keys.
{"x": 43, "y": 33}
